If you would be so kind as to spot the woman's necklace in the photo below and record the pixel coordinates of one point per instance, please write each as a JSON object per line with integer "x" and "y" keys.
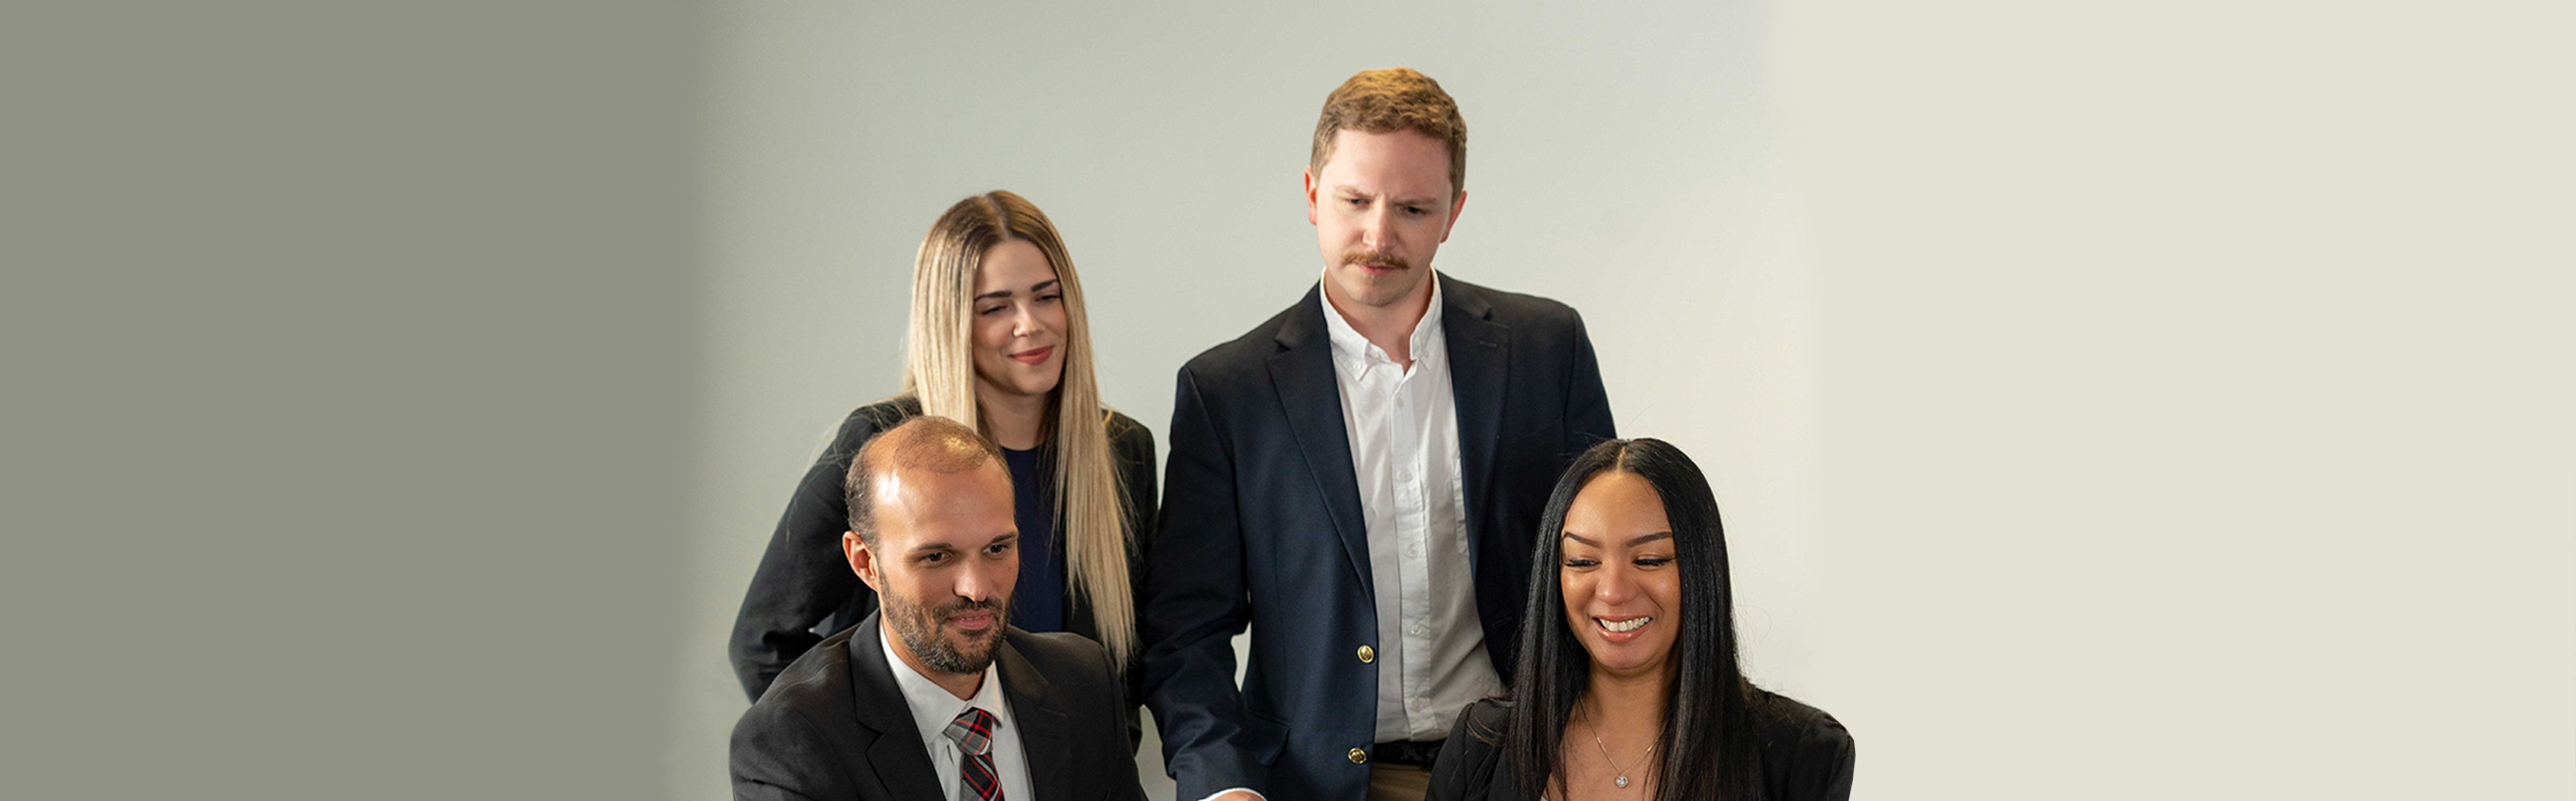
{"x": 1622, "y": 781}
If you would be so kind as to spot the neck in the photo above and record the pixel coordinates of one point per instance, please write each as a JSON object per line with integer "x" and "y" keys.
{"x": 1629, "y": 702}
{"x": 1017, "y": 422}
{"x": 1389, "y": 327}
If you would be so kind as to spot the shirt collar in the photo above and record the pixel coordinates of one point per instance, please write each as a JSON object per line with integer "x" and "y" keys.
{"x": 1355, "y": 354}
{"x": 932, "y": 706}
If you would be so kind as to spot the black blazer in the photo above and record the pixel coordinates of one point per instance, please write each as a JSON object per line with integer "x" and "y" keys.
{"x": 835, "y": 726}
{"x": 1806, "y": 754}
{"x": 804, "y": 581}
{"x": 1262, "y": 525}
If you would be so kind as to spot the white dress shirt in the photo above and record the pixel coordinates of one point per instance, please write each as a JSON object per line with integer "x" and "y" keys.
{"x": 1403, "y": 426}
{"x": 932, "y": 709}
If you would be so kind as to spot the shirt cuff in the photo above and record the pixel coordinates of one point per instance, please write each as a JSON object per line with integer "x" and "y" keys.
{"x": 1255, "y": 793}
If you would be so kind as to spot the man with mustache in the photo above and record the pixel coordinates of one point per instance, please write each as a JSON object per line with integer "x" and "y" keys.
{"x": 934, "y": 695}
{"x": 1359, "y": 479}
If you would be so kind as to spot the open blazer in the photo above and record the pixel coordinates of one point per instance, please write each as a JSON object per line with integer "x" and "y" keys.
{"x": 1262, "y": 525}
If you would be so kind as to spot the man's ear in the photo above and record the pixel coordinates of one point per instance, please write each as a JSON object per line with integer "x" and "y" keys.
{"x": 863, "y": 561}
{"x": 1455, "y": 207}
{"x": 1310, "y": 194}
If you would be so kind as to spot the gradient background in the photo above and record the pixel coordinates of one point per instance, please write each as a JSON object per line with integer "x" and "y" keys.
{"x": 2107, "y": 402}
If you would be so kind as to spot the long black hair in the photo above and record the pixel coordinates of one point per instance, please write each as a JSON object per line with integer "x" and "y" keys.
{"x": 1707, "y": 745}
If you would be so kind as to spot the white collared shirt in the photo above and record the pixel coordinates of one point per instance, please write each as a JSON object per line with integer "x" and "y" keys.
{"x": 1403, "y": 426}
{"x": 932, "y": 709}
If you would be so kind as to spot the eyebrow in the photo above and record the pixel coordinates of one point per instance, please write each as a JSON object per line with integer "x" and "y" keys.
{"x": 1004, "y": 293}
{"x": 1347, "y": 189}
{"x": 1632, "y": 542}
{"x": 927, "y": 547}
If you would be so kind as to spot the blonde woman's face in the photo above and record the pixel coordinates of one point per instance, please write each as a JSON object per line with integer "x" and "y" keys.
{"x": 1019, "y": 321}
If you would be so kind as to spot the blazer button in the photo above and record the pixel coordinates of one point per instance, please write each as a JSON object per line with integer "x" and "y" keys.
{"x": 1359, "y": 757}
{"x": 1367, "y": 655}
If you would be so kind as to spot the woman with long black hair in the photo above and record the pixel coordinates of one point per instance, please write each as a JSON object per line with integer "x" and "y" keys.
{"x": 1627, "y": 685}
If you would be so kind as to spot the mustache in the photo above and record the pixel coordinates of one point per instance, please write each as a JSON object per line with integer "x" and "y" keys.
{"x": 1383, "y": 257}
{"x": 963, "y": 606}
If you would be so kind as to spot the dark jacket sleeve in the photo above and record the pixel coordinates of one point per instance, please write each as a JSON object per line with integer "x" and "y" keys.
{"x": 1807, "y": 755}
{"x": 1135, "y": 448}
{"x": 1123, "y": 785}
{"x": 1587, "y": 405}
{"x": 803, "y": 577}
{"x": 1470, "y": 759}
{"x": 1195, "y": 604}
{"x": 778, "y": 755}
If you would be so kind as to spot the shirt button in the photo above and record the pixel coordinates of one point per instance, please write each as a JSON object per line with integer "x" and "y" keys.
{"x": 1359, "y": 757}
{"x": 1416, "y": 704}
{"x": 1404, "y": 478}
{"x": 1413, "y": 550}
{"x": 1367, "y": 655}
{"x": 1419, "y": 631}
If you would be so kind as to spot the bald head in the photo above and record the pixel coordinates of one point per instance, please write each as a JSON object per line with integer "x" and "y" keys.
{"x": 923, "y": 444}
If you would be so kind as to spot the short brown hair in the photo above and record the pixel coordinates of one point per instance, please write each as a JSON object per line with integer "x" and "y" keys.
{"x": 1395, "y": 99}
{"x": 932, "y": 443}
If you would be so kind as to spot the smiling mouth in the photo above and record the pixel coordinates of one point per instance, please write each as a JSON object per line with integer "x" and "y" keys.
{"x": 973, "y": 621}
{"x": 1623, "y": 626}
{"x": 1033, "y": 356}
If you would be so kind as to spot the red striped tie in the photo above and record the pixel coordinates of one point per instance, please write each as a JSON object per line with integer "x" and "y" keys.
{"x": 973, "y": 733}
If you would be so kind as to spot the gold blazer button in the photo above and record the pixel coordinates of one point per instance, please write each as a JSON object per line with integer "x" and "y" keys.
{"x": 1359, "y": 757}
{"x": 1367, "y": 654}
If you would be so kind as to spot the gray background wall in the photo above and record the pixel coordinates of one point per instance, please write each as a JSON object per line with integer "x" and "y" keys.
{"x": 2110, "y": 402}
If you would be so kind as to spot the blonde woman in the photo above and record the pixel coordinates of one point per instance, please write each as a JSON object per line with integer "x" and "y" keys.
{"x": 999, "y": 341}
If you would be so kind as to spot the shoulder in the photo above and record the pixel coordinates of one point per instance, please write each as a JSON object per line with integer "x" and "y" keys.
{"x": 1509, "y": 308}
{"x": 1128, "y": 436}
{"x": 806, "y": 693}
{"x": 1793, "y": 733}
{"x": 865, "y": 422}
{"x": 1247, "y": 353}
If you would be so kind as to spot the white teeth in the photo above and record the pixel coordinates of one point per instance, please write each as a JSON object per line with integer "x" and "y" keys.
{"x": 1629, "y": 625}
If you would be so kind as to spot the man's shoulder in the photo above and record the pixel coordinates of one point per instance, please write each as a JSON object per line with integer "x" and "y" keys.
{"x": 1510, "y": 308}
{"x": 815, "y": 683}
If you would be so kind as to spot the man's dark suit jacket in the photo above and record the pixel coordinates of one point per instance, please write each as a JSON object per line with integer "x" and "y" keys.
{"x": 1262, "y": 525}
{"x": 834, "y": 725}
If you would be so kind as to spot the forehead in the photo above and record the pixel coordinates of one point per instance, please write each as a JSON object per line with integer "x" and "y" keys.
{"x": 1615, "y": 506}
{"x": 918, "y": 506}
{"x": 1015, "y": 264}
{"x": 1395, "y": 161}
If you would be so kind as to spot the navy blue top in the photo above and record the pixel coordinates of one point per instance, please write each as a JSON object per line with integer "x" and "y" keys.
{"x": 1038, "y": 603}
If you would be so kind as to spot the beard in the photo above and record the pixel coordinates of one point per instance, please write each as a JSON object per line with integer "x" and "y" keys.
{"x": 919, "y": 626}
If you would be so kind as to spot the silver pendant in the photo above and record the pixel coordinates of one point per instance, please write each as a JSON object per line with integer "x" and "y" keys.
{"x": 1623, "y": 782}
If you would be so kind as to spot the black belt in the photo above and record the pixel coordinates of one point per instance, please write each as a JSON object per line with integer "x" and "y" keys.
{"x": 1408, "y": 752}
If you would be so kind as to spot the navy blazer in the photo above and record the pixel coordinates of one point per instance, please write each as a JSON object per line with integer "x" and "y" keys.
{"x": 1262, "y": 525}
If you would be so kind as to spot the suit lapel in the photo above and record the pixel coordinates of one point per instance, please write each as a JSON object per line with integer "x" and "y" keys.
{"x": 896, "y": 759}
{"x": 1045, "y": 736}
{"x": 1302, "y": 371}
{"x": 1479, "y": 371}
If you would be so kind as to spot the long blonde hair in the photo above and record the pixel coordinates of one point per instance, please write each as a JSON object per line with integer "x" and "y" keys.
{"x": 939, "y": 370}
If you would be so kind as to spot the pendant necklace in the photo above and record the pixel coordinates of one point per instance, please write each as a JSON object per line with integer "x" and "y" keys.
{"x": 1622, "y": 781}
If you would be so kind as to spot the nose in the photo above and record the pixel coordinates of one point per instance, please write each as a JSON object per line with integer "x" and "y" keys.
{"x": 974, "y": 584}
{"x": 986, "y": 579}
{"x": 1024, "y": 322}
{"x": 1377, "y": 227}
{"x": 1617, "y": 584}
